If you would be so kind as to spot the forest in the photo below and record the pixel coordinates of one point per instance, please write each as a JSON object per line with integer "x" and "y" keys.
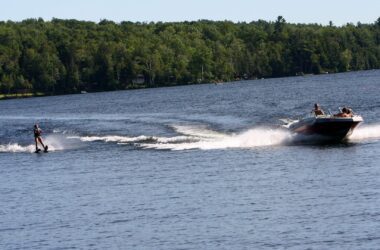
{"x": 71, "y": 56}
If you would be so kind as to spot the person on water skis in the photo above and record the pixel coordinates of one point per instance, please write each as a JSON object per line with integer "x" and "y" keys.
{"x": 37, "y": 138}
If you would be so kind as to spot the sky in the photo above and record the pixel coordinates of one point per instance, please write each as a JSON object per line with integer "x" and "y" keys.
{"x": 339, "y": 12}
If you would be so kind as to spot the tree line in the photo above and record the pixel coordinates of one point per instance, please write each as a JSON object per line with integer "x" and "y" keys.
{"x": 69, "y": 56}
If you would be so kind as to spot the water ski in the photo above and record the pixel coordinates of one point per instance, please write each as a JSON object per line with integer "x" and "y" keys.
{"x": 46, "y": 148}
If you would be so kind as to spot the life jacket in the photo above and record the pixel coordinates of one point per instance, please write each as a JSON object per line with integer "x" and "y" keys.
{"x": 37, "y": 132}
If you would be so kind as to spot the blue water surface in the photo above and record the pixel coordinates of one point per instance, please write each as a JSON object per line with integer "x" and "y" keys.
{"x": 191, "y": 167}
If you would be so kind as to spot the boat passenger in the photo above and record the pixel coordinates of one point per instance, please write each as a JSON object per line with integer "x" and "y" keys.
{"x": 317, "y": 110}
{"x": 344, "y": 113}
{"x": 349, "y": 112}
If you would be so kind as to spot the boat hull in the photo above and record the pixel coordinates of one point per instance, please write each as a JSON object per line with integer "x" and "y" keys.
{"x": 326, "y": 128}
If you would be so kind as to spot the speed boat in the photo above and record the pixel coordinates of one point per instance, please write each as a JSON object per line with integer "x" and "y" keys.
{"x": 326, "y": 127}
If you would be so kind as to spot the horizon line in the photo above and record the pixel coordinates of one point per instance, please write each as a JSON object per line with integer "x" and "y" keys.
{"x": 184, "y": 21}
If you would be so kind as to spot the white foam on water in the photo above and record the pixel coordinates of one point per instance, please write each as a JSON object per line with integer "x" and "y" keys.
{"x": 198, "y": 132}
{"x": 366, "y": 132}
{"x": 198, "y": 137}
{"x": 208, "y": 139}
{"x": 203, "y": 138}
{"x": 55, "y": 143}
{"x": 175, "y": 139}
{"x": 113, "y": 138}
{"x": 16, "y": 148}
{"x": 127, "y": 139}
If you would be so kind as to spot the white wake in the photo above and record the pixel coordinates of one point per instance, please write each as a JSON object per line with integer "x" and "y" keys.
{"x": 209, "y": 139}
{"x": 16, "y": 148}
{"x": 366, "y": 132}
{"x": 198, "y": 137}
{"x": 54, "y": 142}
{"x": 127, "y": 139}
{"x": 203, "y": 138}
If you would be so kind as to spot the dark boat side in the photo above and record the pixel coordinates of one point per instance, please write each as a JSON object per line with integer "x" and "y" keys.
{"x": 327, "y": 126}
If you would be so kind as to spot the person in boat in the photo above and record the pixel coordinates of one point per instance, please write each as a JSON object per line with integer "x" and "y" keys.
{"x": 345, "y": 112}
{"x": 37, "y": 137}
{"x": 317, "y": 110}
{"x": 349, "y": 112}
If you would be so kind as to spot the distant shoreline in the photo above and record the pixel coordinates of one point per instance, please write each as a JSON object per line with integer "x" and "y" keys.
{"x": 70, "y": 56}
{"x": 40, "y": 94}
{"x": 20, "y": 95}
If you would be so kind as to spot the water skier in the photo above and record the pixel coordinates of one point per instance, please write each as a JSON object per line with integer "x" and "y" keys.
{"x": 37, "y": 138}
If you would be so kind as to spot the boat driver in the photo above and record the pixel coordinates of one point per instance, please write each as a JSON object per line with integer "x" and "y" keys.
{"x": 317, "y": 110}
{"x": 349, "y": 112}
{"x": 346, "y": 112}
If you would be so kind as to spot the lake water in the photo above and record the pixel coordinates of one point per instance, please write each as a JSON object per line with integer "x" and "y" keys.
{"x": 191, "y": 167}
